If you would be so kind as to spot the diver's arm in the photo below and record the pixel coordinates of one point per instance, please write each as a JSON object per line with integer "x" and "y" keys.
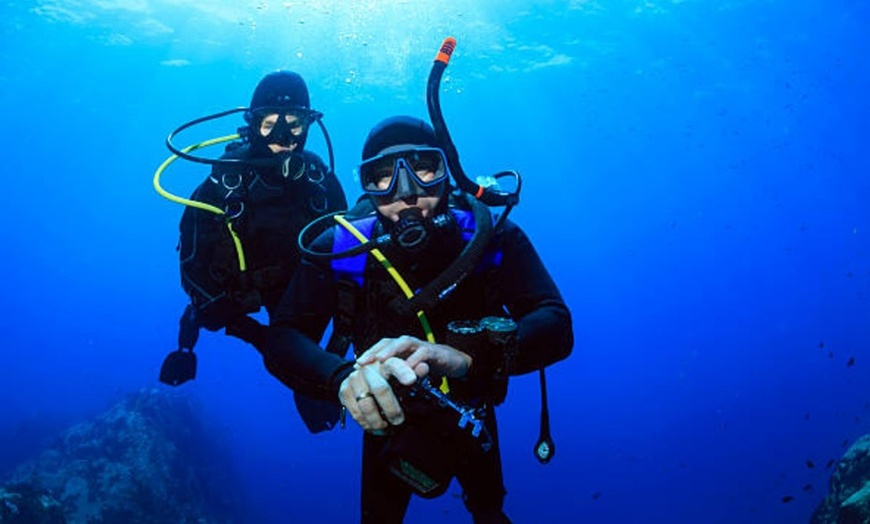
{"x": 544, "y": 329}
{"x": 249, "y": 330}
{"x": 291, "y": 352}
{"x": 301, "y": 365}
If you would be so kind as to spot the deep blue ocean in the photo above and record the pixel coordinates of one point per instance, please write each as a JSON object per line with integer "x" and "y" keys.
{"x": 694, "y": 180}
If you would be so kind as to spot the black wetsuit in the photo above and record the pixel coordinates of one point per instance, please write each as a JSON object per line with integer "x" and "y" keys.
{"x": 509, "y": 281}
{"x": 272, "y": 211}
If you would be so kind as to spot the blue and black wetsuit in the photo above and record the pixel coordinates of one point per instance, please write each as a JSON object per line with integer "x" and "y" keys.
{"x": 510, "y": 280}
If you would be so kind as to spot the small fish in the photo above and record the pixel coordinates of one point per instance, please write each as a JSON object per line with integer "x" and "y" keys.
{"x": 807, "y": 415}
{"x": 811, "y": 464}
{"x": 851, "y": 362}
{"x": 808, "y": 487}
{"x": 596, "y": 495}
{"x": 830, "y": 354}
{"x": 786, "y": 499}
{"x": 821, "y": 344}
{"x": 829, "y": 464}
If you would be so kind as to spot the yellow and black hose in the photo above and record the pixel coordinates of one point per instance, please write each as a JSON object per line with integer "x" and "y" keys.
{"x": 240, "y": 252}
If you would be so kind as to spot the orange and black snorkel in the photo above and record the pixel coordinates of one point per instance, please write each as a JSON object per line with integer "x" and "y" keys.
{"x": 489, "y": 195}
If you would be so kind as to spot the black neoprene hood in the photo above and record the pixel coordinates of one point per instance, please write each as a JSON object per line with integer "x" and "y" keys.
{"x": 280, "y": 89}
{"x": 398, "y": 130}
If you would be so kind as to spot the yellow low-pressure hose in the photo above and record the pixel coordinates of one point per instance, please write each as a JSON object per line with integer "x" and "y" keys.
{"x": 243, "y": 266}
{"x": 421, "y": 315}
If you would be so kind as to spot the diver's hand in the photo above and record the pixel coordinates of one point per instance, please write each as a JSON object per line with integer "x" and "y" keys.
{"x": 421, "y": 356}
{"x": 368, "y": 397}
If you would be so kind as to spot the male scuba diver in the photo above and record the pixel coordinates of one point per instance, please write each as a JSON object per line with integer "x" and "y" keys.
{"x": 239, "y": 250}
{"x": 441, "y": 306}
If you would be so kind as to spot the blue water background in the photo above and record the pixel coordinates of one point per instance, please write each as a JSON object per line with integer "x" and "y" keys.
{"x": 696, "y": 179}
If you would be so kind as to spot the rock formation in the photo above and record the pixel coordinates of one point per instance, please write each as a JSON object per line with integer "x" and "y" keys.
{"x": 848, "y": 501}
{"x": 147, "y": 460}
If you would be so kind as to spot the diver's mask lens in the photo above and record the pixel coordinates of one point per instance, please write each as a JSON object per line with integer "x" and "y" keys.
{"x": 427, "y": 167}
{"x": 284, "y": 125}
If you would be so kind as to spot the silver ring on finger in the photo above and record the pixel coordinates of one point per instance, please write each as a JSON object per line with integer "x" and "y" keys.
{"x": 363, "y": 395}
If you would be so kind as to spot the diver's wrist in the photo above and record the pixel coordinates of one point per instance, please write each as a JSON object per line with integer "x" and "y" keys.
{"x": 467, "y": 366}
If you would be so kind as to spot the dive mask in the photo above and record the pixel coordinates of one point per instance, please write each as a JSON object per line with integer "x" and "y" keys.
{"x": 290, "y": 127}
{"x": 417, "y": 171}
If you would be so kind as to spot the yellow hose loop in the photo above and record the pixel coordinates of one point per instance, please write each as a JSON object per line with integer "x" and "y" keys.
{"x": 185, "y": 201}
{"x": 240, "y": 253}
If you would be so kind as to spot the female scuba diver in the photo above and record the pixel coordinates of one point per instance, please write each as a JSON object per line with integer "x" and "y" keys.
{"x": 238, "y": 247}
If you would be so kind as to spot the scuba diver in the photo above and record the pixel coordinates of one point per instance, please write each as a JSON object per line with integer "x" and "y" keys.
{"x": 432, "y": 365}
{"x": 442, "y": 299}
{"x": 238, "y": 248}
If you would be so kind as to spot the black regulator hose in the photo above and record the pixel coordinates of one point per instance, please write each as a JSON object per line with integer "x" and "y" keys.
{"x": 326, "y": 138}
{"x": 256, "y": 162}
{"x": 443, "y": 285}
{"x": 198, "y": 159}
{"x": 317, "y": 226}
{"x": 490, "y": 196}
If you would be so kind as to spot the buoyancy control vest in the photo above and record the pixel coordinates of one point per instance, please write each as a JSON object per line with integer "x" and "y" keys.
{"x": 370, "y": 305}
{"x": 267, "y": 207}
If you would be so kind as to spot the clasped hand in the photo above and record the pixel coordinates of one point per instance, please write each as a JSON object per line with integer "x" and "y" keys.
{"x": 366, "y": 392}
